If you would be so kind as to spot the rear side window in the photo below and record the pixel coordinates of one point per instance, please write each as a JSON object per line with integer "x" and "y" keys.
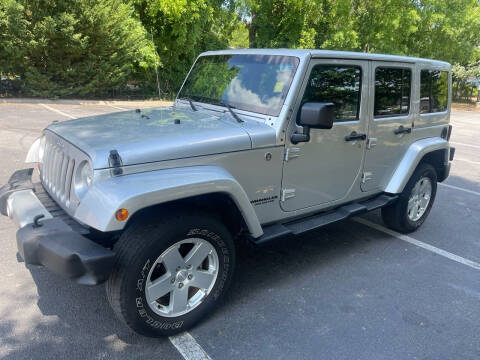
{"x": 338, "y": 84}
{"x": 392, "y": 91}
{"x": 433, "y": 91}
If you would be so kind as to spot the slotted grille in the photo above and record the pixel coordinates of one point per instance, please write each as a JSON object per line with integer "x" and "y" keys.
{"x": 56, "y": 211}
{"x": 57, "y": 171}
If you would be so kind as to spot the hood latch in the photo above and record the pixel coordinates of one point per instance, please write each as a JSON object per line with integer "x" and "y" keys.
{"x": 115, "y": 162}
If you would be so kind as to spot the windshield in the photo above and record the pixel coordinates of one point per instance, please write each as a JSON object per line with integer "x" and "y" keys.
{"x": 257, "y": 83}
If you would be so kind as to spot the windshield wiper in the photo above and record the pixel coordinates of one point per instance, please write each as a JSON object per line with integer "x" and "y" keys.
{"x": 194, "y": 108}
{"x": 230, "y": 107}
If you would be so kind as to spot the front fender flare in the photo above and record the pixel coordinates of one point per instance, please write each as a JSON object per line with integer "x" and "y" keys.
{"x": 410, "y": 161}
{"x": 137, "y": 191}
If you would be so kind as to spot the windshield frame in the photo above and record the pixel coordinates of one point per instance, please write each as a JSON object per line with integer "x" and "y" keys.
{"x": 247, "y": 107}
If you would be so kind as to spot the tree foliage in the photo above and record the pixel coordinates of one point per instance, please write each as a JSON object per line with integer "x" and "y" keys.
{"x": 181, "y": 29}
{"x": 464, "y": 78}
{"x": 88, "y": 47}
{"x": 441, "y": 29}
{"x": 63, "y": 48}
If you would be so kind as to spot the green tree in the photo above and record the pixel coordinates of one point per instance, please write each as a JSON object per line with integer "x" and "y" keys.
{"x": 184, "y": 28}
{"x": 463, "y": 89}
{"x": 239, "y": 37}
{"x": 447, "y": 30}
{"x": 82, "y": 48}
{"x": 333, "y": 23}
{"x": 441, "y": 29}
{"x": 274, "y": 23}
{"x": 384, "y": 26}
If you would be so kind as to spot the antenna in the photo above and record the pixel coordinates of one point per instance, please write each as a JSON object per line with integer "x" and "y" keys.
{"x": 156, "y": 64}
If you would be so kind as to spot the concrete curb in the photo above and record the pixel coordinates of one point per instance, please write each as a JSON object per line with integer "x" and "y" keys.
{"x": 82, "y": 102}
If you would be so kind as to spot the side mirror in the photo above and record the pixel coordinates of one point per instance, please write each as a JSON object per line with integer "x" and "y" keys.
{"x": 314, "y": 115}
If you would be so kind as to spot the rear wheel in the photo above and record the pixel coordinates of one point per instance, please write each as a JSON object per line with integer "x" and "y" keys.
{"x": 171, "y": 273}
{"x": 413, "y": 206}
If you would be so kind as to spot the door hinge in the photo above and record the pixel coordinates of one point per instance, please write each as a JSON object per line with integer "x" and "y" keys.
{"x": 292, "y": 152}
{"x": 287, "y": 194}
{"x": 371, "y": 143}
{"x": 367, "y": 176}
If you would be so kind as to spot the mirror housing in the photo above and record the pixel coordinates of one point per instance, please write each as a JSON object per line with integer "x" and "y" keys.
{"x": 315, "y": 115}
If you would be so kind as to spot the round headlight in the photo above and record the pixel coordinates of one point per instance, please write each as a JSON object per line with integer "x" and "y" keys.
{"x": 83, "y": 178}
{"x": 87, "y": 174}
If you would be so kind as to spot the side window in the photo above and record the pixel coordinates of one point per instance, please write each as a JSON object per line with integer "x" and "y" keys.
{"x": 392, "y": 91}
{"x": 338, "y": 84}
{"x": 433, "y": 91}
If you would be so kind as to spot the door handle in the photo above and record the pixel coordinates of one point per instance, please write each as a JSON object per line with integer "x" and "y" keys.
{"x": 402, "y": 130}
{"x": 354, "y": 136}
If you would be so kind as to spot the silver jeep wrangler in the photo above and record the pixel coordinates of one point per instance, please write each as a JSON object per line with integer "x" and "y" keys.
{"x": 261, "y": 144}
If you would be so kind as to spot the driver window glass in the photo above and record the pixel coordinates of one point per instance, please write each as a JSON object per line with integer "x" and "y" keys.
{"x": 338, "y": 84}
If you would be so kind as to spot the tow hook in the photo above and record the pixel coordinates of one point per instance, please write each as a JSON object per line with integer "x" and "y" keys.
{"x": 36, "y": 219}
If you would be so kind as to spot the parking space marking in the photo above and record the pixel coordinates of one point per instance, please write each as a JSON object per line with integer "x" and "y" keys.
{"x": 468, "y": 161}
{"x": 419, "y": 243}
{"x": 461, "y": 189}
{"x": 189, "y": 347}
{"x": 463, "y": 144}
{"x": 57, "y": 111}
{"x": 117, "y": 107}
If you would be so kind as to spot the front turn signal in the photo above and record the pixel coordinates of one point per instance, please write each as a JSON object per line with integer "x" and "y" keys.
{"x": 121, "y": 214}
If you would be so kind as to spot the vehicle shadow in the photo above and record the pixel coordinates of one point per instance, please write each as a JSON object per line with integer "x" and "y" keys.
{"x": 78, "y": 320}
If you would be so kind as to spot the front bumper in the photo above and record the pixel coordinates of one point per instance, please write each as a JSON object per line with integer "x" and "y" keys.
{"x": 51, "y": 242}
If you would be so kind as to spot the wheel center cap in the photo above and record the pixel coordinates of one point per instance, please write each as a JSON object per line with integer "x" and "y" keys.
{"x": 181, "y": 275}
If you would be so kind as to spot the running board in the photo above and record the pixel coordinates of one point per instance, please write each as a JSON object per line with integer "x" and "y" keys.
{"x": 296, "y": 227}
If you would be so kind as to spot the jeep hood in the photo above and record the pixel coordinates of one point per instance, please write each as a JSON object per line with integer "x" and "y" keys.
{"x": 156, "y": 134}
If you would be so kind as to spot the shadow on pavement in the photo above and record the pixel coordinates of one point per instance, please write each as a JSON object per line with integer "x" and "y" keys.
{"x": 78, "y": 320}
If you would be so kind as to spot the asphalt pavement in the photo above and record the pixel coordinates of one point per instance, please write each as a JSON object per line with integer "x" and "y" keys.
{"x": 348, "y": 291}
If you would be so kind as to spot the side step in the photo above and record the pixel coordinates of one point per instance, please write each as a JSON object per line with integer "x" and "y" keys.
{"x": 317, "y": 221}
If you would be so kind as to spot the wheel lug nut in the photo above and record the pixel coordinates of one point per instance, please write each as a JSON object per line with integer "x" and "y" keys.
{"x": 189, "y": 266}
{"x": 190, "y": 277}
{"x": 178, "y": 268}
{"x": 173, "y": 280}
{"x": 180, "y": 285}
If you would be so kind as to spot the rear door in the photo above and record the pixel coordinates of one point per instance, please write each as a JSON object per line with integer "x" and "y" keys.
{"x": 325, "y": 169}
{"x": 391, "y": 121}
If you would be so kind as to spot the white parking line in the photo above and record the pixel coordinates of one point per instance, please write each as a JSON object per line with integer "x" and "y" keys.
{"x": 463, "y": 144}
{"x": 117, "y": 107}
{"x": 461, "y": 189}
{"x": 57, "y": 111}
{"x": 468, "y": 161}
{"x": 188, "y": 347}
{"x": 419, "y": 243}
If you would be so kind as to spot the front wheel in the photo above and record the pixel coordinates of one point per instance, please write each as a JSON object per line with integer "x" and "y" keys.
{"x": 170, "y": 273}
{"x": 411, "y": 209}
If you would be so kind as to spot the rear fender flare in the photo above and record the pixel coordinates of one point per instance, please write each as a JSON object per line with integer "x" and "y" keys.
{"x": 410, "y": 161}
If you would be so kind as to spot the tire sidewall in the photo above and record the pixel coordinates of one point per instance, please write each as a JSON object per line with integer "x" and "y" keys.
{"x": 137, "y": 309}
{"x": 424, "y": 170}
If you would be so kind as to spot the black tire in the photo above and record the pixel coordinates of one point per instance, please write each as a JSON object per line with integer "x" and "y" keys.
{"x": 138, "y": 248}
{"x": 395, "y": 215}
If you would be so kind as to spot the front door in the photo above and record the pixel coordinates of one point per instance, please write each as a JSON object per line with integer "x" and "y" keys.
{"x": 392, "y": 120}
{"x": 326, "y": 168}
